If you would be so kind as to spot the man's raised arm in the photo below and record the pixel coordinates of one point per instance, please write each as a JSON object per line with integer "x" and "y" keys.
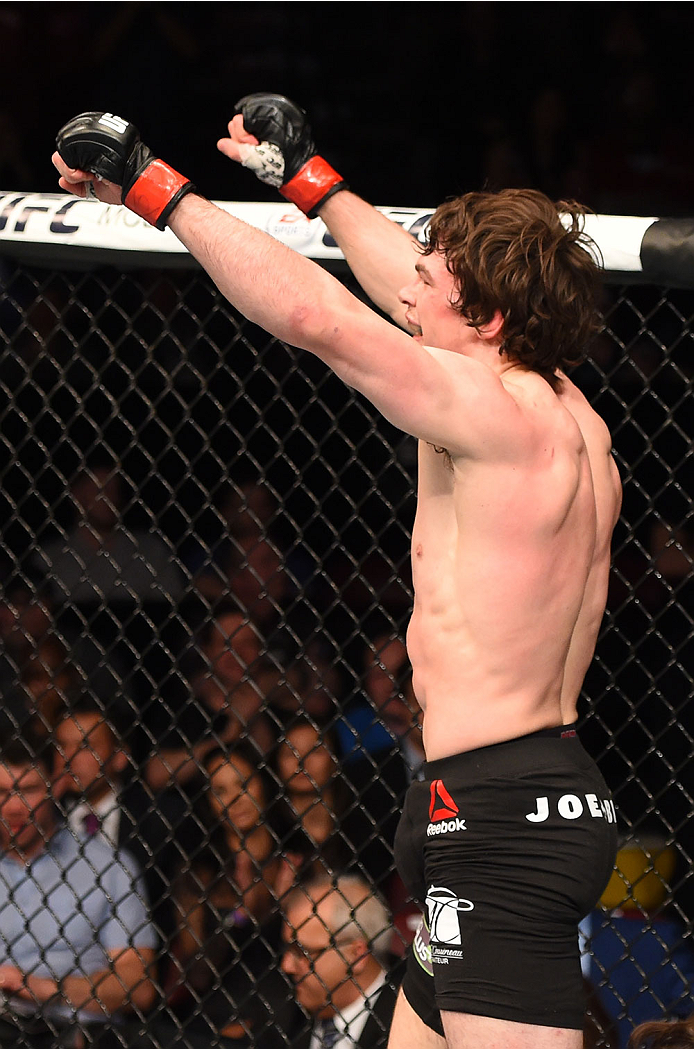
{"x": 288, "y": 295}
{"x": 269, "y": 135}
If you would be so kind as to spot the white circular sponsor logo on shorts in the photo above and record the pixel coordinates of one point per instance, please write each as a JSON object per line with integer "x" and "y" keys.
{"x": 443, "y": 908}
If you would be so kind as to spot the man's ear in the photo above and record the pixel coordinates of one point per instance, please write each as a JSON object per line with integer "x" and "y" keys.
{"x": 356, "y": 954}
{"x": 491, "y": 331}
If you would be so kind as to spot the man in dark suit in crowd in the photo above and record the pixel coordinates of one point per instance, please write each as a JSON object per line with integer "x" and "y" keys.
{"x": 101, "y": 796}
{"x": 337, "y": 934}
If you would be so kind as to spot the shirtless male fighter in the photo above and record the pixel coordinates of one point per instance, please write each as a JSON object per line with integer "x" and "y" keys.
{"x": 510, "y": 839}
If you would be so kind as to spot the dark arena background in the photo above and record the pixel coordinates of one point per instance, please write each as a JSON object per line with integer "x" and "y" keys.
{"x": 204, "y": 539}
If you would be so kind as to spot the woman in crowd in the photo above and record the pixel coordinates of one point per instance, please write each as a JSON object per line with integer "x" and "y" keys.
{"x": 313, "y": 796}
{"x": 224, "y": 973}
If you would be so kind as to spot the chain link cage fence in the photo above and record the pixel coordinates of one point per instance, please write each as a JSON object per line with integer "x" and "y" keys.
{"x": 205, "y": 588}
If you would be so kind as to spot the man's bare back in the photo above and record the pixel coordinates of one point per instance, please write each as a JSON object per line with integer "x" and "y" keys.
{"x": 510, "y": 560}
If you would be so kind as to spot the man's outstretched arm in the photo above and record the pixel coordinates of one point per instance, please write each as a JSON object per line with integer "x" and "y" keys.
{"x": 289, "y": 296}
{"x": 294, "y": 299}
{"x": 269, "y": 135}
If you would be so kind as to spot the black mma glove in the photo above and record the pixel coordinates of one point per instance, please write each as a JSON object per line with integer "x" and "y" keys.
{"x": 111, "y": 148}
{"x": 286, "y": 157}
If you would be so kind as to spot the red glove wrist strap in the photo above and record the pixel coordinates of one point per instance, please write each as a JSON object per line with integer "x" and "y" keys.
{"x": 151, "y": 194}
{"x": 312, "y": 184}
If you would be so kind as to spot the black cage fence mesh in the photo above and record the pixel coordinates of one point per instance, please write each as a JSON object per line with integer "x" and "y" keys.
{"x": 205, "y": 589}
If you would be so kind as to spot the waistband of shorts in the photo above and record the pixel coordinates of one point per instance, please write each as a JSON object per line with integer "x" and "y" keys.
{"x": 547, "y": 745}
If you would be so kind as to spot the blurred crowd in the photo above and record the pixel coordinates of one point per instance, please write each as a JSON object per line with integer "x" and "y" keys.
{"x": 209, "y": 723}
{"x": 585, "y": 100}
{"x": 202, "y": 812}
{"x": 155, "y": 706}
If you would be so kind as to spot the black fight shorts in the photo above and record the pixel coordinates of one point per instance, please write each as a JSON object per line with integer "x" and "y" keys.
{"x": 507, "y": 848}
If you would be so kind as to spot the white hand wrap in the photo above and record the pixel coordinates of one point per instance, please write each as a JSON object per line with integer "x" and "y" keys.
{"x": 265, "y": 161}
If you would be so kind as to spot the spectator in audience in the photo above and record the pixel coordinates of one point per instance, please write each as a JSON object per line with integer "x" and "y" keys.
{"x": 381, "y": 745}
{"x": 297, "y": 693}
{"x": 313, "y": 797}
{"x": 388, "y": 685}
{"x": 76, "y": 946}
{"x": 352, "y": 583}
{"x": 119, "y": 580}
{"x": 336, "y": 953}
{"x": 226, "y": 954}
{"x": 228, "y": 691}
{"x": 35, "y": 672}
{"x": 242, "y": 509}
{"x": 48, "y": 679}
{"x": 257, "y": 577}
{"x": 386, "y": 715}
{"x": 636, "y": 954}
{"x": 100, "y": 794}
{"x": 26, "y": 618}
{"x": 311, "y": 684}
{"x": 245, "y": 556}
{"x": 101, "y": 560}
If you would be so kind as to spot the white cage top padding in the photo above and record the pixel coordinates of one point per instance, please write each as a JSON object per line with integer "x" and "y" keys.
{"x": 36, "y": 224}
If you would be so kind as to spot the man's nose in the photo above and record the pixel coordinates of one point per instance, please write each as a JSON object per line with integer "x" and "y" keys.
{"x": 407, "y": 295}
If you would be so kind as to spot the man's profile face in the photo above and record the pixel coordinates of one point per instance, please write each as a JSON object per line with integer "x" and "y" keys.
{"x": 26, "y": 808}
{"x": 431, "y": 317}
{"x": 318, "y": 968}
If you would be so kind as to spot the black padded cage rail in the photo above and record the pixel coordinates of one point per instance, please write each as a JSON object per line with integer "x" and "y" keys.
{"x": 205, "y": 567}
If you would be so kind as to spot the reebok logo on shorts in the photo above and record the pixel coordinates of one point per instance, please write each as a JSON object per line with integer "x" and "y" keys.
{"x": 443, "y": 811}
{"x": 441, "y": 804}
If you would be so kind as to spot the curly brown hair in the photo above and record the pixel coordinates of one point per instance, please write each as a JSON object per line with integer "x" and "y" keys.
{"x": 517, "y": 252}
